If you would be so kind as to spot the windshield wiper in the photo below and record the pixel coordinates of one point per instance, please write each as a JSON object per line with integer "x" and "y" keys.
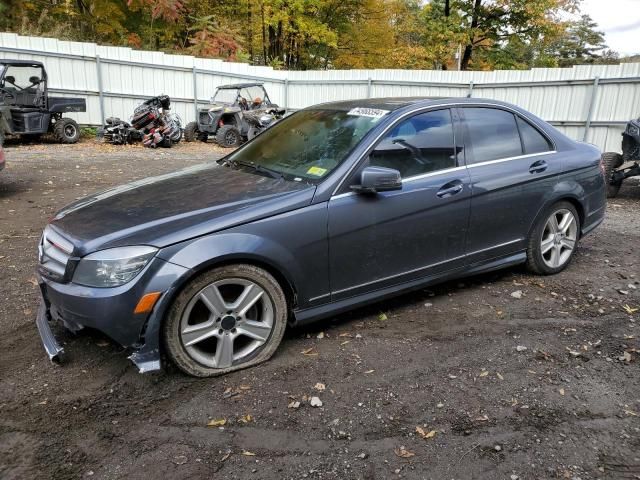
{"x": 258, "y": 168}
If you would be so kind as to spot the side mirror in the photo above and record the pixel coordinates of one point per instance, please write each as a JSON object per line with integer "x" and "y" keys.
{"x": 378, "y": 179}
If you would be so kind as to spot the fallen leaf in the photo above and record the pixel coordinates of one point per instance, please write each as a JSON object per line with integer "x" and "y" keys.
{"x": 424, "y": 434}
{"x": 629, "y": 309}
{"x": 345, "y": 335}
{"x": 369, "y": 371}
{"x": 403, "y": 453}
{"x": 225, "y": 456}
{"x": 218, "y": 422}
{"x": 632, "y": 413}
{"x": 345, "y": 342}
{"x": 245, "y": 419}
{"x": 294, "y": 404}
{"x": 499, "y": 376}
{"x": 484, "y": 373}
{"x": 482, "y": 418}
{"x": 382, "y": 317}
{"x": 309, "y": 352}
{"x": 319, "y": 386}
{"x": 248, "y": 454}
{"x": 561, "y": 391}
{"x": 245, "y": 387}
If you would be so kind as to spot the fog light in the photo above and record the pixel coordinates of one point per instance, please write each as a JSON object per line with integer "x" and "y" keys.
{"x": 147, "y": 302}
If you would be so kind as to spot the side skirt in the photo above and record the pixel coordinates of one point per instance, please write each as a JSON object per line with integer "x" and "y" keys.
{"x": 303, "y": 317}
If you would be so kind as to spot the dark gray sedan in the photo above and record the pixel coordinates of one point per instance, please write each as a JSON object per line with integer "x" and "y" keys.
{"x": 338, "y": 205}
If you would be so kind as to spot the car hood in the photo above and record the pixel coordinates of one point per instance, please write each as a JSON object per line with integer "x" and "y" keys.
{"x": 171, "y": 208}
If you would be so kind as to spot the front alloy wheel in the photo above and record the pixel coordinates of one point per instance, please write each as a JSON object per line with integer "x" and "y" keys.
{"x": 553, "y": 239}
{"x": 229, "y": 318}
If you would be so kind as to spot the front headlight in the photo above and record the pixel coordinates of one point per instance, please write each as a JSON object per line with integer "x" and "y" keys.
{"x": 112, "y": 267}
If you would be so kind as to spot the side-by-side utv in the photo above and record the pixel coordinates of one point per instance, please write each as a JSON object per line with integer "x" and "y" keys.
{"x": 620, "y": 166}
{"x": 27, "y": 110}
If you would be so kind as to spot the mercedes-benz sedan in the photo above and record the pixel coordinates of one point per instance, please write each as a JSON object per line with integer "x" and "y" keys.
{"x": 336, "y": 206}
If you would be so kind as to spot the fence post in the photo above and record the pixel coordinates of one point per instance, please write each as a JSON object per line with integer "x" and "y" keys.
{"x": 470, "y": 94}
{"x": 286, "y": 93}
{"x": 100, "y": 89}
{"x": 369, "y": 87}
{"x": 195, "y": 93}
{"x": 592, "y": 103}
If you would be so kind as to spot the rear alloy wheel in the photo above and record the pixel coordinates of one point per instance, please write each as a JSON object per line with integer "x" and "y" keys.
{"x": 229, "y": 318}
{"x": 228, "y": 136}
{"x": 66, "y": 130}
{"x": 554, "y": 239}
{"x": 611, "y": 161}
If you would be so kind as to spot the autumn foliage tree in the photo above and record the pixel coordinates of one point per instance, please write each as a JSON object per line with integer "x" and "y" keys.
{"x": 326, "y": 34}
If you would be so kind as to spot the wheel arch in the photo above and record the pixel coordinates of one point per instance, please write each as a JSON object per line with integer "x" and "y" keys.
{"x": 566, "y": 197}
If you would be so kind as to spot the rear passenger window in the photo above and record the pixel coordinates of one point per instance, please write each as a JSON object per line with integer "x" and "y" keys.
{"x": 532, "y": 140}
{"x": 493, "y": 134}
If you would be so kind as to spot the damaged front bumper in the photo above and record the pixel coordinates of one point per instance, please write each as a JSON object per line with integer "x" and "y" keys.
{"x": 111, "y": 311}
{"x": 51, "y": 345}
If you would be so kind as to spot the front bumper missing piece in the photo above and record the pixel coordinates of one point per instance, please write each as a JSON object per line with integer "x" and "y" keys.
{"x": 51, "y": 345}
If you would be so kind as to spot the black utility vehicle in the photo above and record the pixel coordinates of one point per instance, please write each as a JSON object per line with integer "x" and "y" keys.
{"x": 613, "y": 161}
{"x": 26, "y": 109}
{"x": 237, "y": 113}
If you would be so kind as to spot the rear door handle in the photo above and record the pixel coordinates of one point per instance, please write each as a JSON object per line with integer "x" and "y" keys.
{"x": 450, "y": 189}
{"x": 538, "y": 167}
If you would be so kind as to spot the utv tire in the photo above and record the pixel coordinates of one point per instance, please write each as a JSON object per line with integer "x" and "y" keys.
{"x": 191, "y": 132}
{"x": 1, "y": 138}
{"x": 226, "y": 319}
{"x": 611, "y": 161}
{"x": 66, "y": 130}
{"x": 228, "y": 136}
{"x": 553, "y": 240}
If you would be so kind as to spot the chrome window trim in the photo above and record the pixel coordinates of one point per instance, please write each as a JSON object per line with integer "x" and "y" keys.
{"x": 427, "y": 266}
{"x": 450, "y": 106}
{"x": 507, "y": 159}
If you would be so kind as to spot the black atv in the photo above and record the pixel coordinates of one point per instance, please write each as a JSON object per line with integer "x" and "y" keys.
{"x": 614, "y": 163}
{"x": 237, "y": 113}
{"x": 27, "y": 110}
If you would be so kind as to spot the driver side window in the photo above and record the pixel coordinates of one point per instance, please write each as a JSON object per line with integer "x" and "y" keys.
{"x": 421, "y": 144}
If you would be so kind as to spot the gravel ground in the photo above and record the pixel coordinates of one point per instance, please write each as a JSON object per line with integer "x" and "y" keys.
{"x": 500, "y": 376}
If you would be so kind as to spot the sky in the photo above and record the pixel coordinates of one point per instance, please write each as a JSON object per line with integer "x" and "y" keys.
{"x": 619, "y": 20}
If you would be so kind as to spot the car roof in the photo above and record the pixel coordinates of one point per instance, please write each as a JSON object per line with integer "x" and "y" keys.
{"x": 396, "y": 103}
{"x": 21, "y": 62}
{"x": 234, "y": 86}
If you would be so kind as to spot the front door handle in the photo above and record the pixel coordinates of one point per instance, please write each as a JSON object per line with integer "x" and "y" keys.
{"x": 538, "y": 167}
{"x": 450, "y": 189}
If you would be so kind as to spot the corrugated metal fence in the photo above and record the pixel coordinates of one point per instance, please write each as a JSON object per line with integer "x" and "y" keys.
{"x": 586, "y": 102}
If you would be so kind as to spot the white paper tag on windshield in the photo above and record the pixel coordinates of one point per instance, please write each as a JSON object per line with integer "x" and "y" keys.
{"x": 367, "y": 112}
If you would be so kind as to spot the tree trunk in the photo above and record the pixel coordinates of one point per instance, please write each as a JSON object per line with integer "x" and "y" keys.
{"x": 265, "y": 61}
{"x": 468, "y": 49}
{"x": 250, "y": 31}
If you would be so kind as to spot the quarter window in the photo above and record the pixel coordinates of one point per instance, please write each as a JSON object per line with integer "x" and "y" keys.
{"x": 493, "y": 134}
{"x": 532, "y": 140}
{"x": 420, "y": 144}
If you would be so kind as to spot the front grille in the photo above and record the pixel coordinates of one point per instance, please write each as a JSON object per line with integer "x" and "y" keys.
{"x": 54, "y": 253}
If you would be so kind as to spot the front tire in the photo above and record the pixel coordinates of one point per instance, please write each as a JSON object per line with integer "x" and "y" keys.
{"x": 611, "y": 161}
{"x": 66, "y": 130}
{"x": 226, "y": 319}
{"x": 191, "y": 132}
{"x": 553, "y": 240}
{"x": 228, "y": 136}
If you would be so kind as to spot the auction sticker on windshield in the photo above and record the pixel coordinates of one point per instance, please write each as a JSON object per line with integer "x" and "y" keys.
{"x": 368, "y": 112}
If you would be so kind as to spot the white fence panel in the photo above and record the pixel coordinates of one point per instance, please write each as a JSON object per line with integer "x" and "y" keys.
{"x": 116, "y": 79}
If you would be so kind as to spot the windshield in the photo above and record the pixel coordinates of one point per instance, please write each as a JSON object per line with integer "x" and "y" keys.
{"x": 308, "y": 145}
{"x": 225, "y": 96}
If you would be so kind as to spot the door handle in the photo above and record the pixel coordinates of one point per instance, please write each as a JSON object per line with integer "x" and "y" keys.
{"x": 538, "y": 167}
{"x": 450, "y": 189}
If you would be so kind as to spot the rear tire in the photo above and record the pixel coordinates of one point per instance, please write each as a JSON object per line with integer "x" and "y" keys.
{"x": 228, "y": 136}
{"x": 66, "y": 130}
{"x": 191, "y": 132}
{"x": 611, "y": 161}
{"x": 554, "y": 239}
{"x": 226, "y": 319}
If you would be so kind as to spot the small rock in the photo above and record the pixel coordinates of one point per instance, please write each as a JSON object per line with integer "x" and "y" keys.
{"x": 180, "y": 460}
{"x": 440, "y": 405}
{"x": 517, "y": 294}
{"x": 497, "y": 448}
{"x": 315, "y": 402}
{"x": 362, "y": 455}
{"x": 515, "y": 477}
{"x": 623, "y": 292}
{"x": 521, "y": 348}
{"x": 428, "y": 304}
{"x": 320, "y": 335}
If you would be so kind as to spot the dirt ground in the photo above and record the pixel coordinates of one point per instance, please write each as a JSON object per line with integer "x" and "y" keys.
{"x": 464, "y": 380}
